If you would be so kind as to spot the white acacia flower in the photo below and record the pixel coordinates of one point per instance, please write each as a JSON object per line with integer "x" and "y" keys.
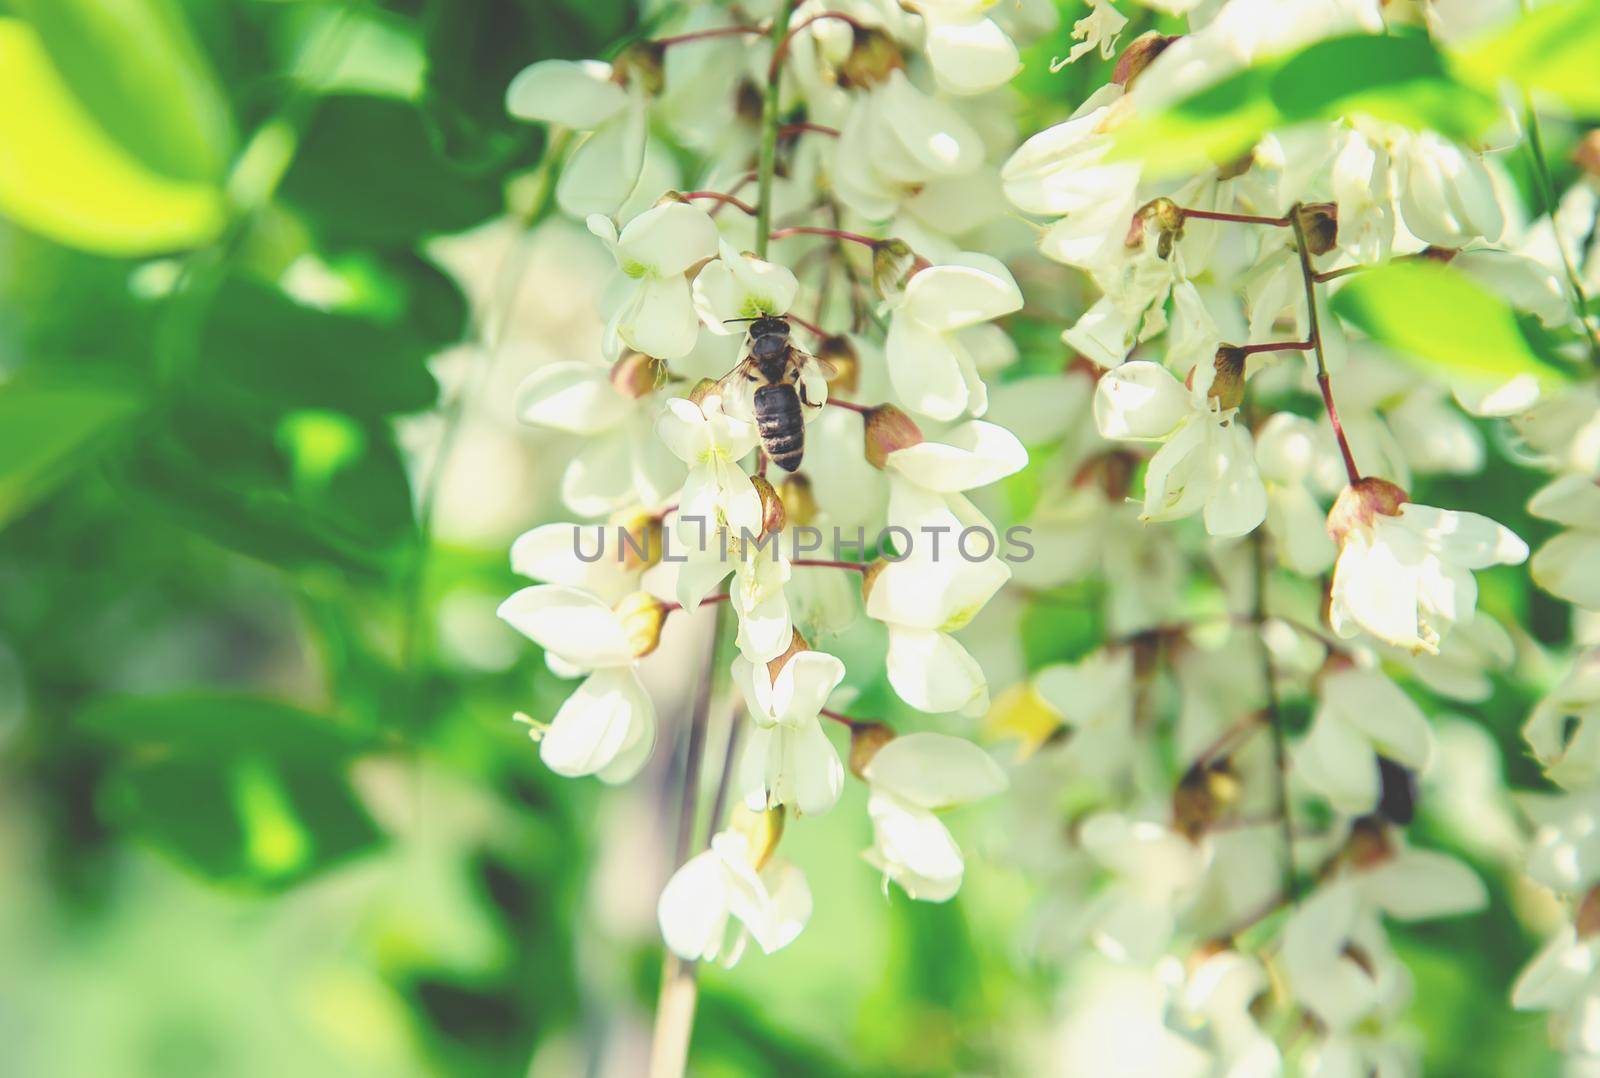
{"x": 1362, "y": 188}
{"x": 759, "y": 598}
{"x": 787, "y": 759}
{"x": 560, "y": 554}
{"x": 716, "y": 888}
{"x": 1097, "y": 30}
{"x": 1564, "y": 979}
{"x": 1466, "y": 658}
{"x": 1287, "y": 449}
{"x": 1564, "y": 854}
{"x": 911, "y": 779}
{"x": 1446, "y": 195}
{"x": 608, "y": 726}
{"x": 718, "y": 506}
{"x": 657, "y": 249}
{"x": 1404, "y": 572}
{"x": 620, "y": 463}
{"x": 894, "y": 141}
{"x": 584, "y": 95}
{"x": 1568, "y": 565}
{"x": 1156, "y": 874}
{"x": 1221, "y": 993}
{"x": 1564, "y": 729}
{"x": 1093, "y": 700}
{"x": 739, "y": 286}
{"x": 968, "y": 51}
{"x": 1361, "y": 715}
{"x": 1337, "y": 963}
{"x": 1207, "y": 460}
{"x": 935, "y": 328}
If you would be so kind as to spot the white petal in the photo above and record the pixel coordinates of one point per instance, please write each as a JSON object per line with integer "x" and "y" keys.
{"x": 693, "y": 909}
{"x": 667, "y": 239}
{"x": 911, "y": 840}
{"x": 1237, "y": 502}
{"x": 936, "y": 140}
{"x": 550, "y": 553}
{"x": 661, "y": 321}
{"x": 948, "y": 297}
{"x": 971, "y": 57}
{"x": 575, "y": 93}
{"x": 1139, "y": 401}
{"x": 1339, "y": 764}
{"x": 574, "y": 624}
{"x": 927, "y": 369}
{"x": 603, "y": 170}
{"x": 933, "y": 673}
{"x": 606, "y": 726}
{"x": 973, "y": 455}
{"x": 803, "y": 686}
{"x": 1422, "y": 884}
{"x": 818, "y": 774}
{"x": 1466, "y": 539}
{"x": 574, "y": 397}
{"x": 1568, "y": 566}
{"x": 935, "y": 771}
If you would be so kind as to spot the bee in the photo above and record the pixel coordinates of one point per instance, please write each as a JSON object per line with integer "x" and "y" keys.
{"x": 775, "y": 366}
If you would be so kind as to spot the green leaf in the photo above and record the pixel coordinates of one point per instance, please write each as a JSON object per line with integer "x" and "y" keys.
{"x": 242, "y": 790}
{"x": 64, "y": 176}
{"x": 1399, "y": 78}
{"x": 1552, "y": 50}
{"x": 370, "y": 171}
{"x": 45, "y": 430}
{"x": 1443, "y": 320}
{"x": 135, "y": 67}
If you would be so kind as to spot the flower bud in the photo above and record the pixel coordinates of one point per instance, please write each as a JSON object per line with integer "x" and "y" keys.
{"x": 644, "y": 63}
{"x": 840, "y": 354}
{"x": 1227, "y": 386}
{"x": 773, "y": 511}
{"x": 637, "y": 375}
{"x": 642, "y": 616}
{"x": 799, "y": 502}
{"x": 873, "y": 58}
{"x": 1369, "y": 844}
{"x": 866, "y": 738}
{"x": 1203, "y": 795}
{"x": 1359, "y": 504}
{"x": 761, "y": 829}
{"x": 1162, "y": 215}
{"x": 893, "y": 262}
{"x": 1320, "y": 222}
{"x": 705, "y": 387}
{"x": 887, "y": 429}
{"x": 797, "y": 644}
{"x": 1586, "y": 155}
{"x": 1587, "y": 921}
{"x": 1138, "y": 55}
{"x": 641, "y": 547}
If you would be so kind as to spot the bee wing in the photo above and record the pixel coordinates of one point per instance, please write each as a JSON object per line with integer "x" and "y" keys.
{"x": 738, "y": 392}
{"x": 822, "y": 366}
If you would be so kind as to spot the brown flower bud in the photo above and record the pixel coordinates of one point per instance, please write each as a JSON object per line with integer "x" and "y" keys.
{"x": 773, "y": 514}
{"x": 1230, "y": 170}
{"x": 1369, "y": 844}
{"x": 1202, "y": 796}
{"x": 704, "y": 388}
{"x": 866, "y": 738}
{"x": 1586, "y": 154}
{"x": 870, "y": 577}
{"x": 749, "y": 102}
{"x": 893, "y": 262}
{"x": 840, "y": 354}
{"x": 873, "y": 58}
{"x": 1227, "y": 386}
{"x": 1587, "y": 920}
{"x": 1320, "y": 222}
{"x": 1162, "y": 215}
{"x": 887, "y": 429}
{"x": 1359, "y": 504}
{"x": 642, "y": 616}
{"x": 799, "y": 502}
{"x": 639, "y": 537}
{"x": 1139, "y": 54}
{"x": 644, "y": 63}
{"x": 761, "y": 829}
{"x": 797, "y": 644}
{"x": 637, "y": 375}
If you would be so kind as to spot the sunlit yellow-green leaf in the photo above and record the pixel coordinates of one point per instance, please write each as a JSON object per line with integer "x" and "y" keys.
{"x": 64, "y": 176}
{"x": 1444, "y": 320}
{"x": 1552, "y": 50}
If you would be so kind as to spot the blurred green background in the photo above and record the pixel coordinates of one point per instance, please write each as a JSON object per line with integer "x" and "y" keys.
{"x": 262, "y": 809}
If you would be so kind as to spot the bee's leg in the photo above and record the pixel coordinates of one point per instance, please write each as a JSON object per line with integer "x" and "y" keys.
{"x": 805, "y": 400}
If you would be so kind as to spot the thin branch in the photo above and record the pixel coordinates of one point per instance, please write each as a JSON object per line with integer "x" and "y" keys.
{"x": 782, "y": 47}
{"x": 838, "y": 717}
{"x": 836, "y": 233}
{"x": 1240, "y": 218}
{"x": 706, "y": 35}
{"x": 820, "y": 563}
{"x": 727, "y": 200}
{"x": 806, "y": 125}
{"x": 1274, "y": 346}
{"x": 1314, "y": 332}
{"x": 849, "y": 406}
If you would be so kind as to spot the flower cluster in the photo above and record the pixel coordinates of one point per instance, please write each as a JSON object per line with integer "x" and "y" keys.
{"x": 811, "y": 324}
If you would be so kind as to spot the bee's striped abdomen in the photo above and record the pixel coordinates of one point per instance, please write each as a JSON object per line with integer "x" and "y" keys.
{"x": 778, "y": 421}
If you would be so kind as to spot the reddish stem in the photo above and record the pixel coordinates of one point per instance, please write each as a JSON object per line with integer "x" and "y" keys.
{"x": 1314, "y": 332}
{"x": 1350, "y": 468}
{"x": 1241, "y": 218}
{"x": 836, "y": 717}
{"x": 1275, "y": 346}
{"x": 849, "y": 405}
{"x": 728, "y": 200}
{"x": 810, "y": 327}
{"x": 706, "y": 35}
{"x": 806, "y": 125}
{"x": 817, "y": 563}
{"x": 783, "y": 44}
{"x": 719, "y": 597}
{"x": 814, "y": 230}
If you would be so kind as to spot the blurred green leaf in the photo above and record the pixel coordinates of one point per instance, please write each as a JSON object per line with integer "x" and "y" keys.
{"x": 1444, "y": 320}
{"x": 369, "y": 171}
{"x": 135, "y": 67}
{"x": 1553, "y": 49}
{"x": 63, "y": 175}
{"x": 46, "y": 429}
{"x": 240, "y": 789}
{"x": 1399, "y": 78}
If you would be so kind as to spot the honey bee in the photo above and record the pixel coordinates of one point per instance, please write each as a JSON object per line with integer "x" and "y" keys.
{"x": 775, "y": 366}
